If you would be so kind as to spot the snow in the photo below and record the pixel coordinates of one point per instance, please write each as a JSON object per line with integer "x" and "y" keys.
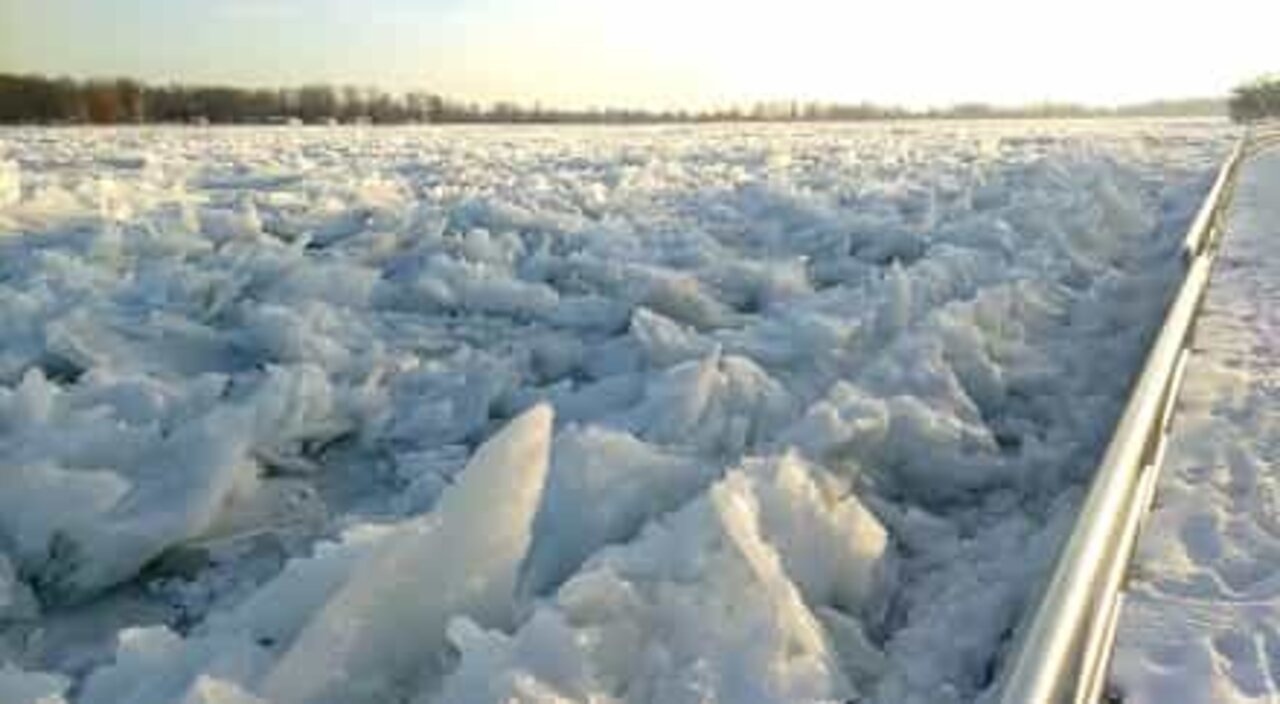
{"x": 1201, "y": 618}
{"x": 765, "y": 413}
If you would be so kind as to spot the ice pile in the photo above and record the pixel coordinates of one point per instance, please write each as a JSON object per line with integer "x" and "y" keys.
{"x": 276, "y": 406}
{"x": 10, "y": 183}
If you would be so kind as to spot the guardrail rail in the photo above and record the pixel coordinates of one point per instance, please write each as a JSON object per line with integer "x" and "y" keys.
{"x": 1063, "y": 647}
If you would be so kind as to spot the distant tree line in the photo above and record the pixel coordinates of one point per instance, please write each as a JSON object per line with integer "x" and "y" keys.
{"x": 42, "y": 100}
{"x": 1256, "y": 100}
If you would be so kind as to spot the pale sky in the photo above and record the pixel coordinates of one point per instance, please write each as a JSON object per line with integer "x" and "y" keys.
{"x": 663, "y": 53}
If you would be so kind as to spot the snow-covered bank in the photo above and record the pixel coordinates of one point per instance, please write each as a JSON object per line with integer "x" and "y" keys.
{"x": 823, "y": 399}
{"x": 1201, "y": 621}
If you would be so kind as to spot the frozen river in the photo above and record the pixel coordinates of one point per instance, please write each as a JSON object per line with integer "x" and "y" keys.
{"x": 738, "y": 414}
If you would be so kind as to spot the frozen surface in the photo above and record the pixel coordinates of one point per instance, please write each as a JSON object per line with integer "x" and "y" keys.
{"x": 276, "y": 406}
{"x": 1202, "y": 620}
{"x": 358, "y": 649}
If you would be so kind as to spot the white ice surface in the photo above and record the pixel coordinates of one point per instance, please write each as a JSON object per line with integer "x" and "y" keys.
{"x": 459, "y": 561}
{"x": 19, "y": 687}
{"x": 824, "y": 397}
{"x": 1201, "y": 621}
{"x": 699, "y": 608}
{"x": 10, "y": 183}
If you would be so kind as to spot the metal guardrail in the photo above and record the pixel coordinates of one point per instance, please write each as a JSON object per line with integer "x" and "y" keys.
{"x": 1199, "y": 236}
{"x": 1064, "y": 647}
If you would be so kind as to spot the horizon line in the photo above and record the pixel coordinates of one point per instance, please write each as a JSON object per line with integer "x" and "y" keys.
{"x": 537, "y": 105}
